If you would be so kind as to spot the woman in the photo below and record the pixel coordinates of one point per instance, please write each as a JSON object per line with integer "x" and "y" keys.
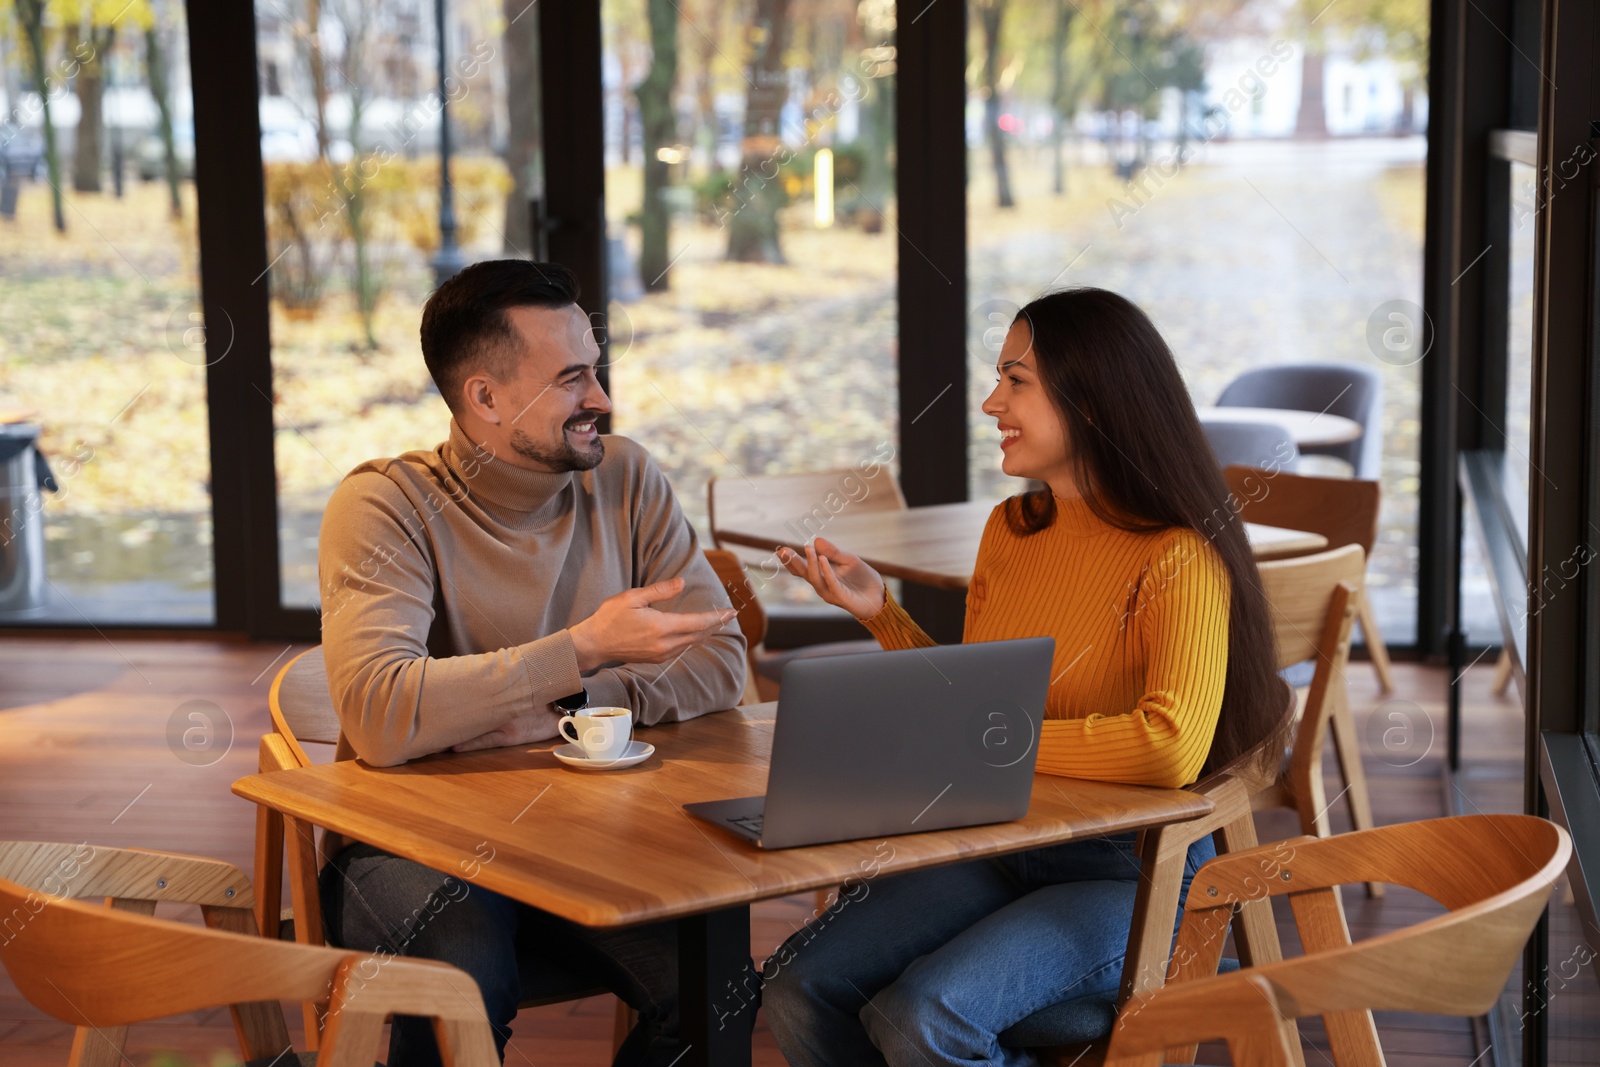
{"x": 1134, "y": 562}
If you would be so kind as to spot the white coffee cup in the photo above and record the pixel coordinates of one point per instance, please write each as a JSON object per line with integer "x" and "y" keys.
{"x": 602, "y": 733}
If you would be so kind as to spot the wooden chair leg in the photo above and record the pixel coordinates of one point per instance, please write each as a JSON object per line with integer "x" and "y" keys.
{"x": 1375, "y": 646}
{"x": 300, "y": 839}
{"x": 1254, "y": 931}
{"x": 1162, "y": 854}
{"x": 102, "y": 1046}
{"x": 1321, "y": 921}
{"x": 269, "y": 870}
{"x": 1347, "y": 749}
{"x": 622, "y": 1023}
{"x": 1502, "y": 673}
{"x": 1310, "y": 798}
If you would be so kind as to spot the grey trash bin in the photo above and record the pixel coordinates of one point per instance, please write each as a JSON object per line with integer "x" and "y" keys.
{"x": 24, "y": 478}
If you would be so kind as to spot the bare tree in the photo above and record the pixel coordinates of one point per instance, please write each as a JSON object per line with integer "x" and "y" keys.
{"x": 31, "y": 14}
{"x": 991, "y": 16}
{"x": 90, "y": 41}
{"x": 155, "y": 64}
{"x": 524, "y": 140}
{"x": 1060, "y": 92}
{"x": 757, "y": 190}
{"x": 659, "y": 119}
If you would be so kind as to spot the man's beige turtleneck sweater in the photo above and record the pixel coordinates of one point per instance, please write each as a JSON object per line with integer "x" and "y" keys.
{"x": 449, "y": 579}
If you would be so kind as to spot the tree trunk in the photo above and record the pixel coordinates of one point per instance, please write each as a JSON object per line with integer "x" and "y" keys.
{"x": 878, "y": 181}
{"x": 1312, "y": 121}
{"x": 31, "y": 13}
{"x": 319, "y": 73}
{"x": 89, "y": 87}
{"x": 706, "y": 99}
{"x": 659, "y": 125}
{"x": 1058, "y": 94}
{"x": 757, "y": 191}
{"x": 992, "y": 14}
{"x": 155, "y": 62}
{"x": 523, "y": 145}
{"x": 353, "y": 189}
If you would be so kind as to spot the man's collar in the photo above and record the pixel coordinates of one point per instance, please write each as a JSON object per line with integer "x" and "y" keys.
{"x": 492, "y": 478}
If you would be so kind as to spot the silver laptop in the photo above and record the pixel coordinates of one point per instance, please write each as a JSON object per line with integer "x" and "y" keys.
{"x": 884, "y": 743}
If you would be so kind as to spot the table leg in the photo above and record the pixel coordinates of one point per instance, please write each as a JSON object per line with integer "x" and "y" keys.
{"x": 717, "y": 988}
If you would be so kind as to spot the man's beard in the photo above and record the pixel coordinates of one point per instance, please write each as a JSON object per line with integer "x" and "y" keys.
{"x": 564, "y": 457}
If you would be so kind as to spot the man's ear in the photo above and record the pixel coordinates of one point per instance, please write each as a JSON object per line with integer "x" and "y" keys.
{"x": 480, "y": 395}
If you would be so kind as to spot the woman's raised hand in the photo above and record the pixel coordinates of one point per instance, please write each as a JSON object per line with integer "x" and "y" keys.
{"x": 838, "y": 577}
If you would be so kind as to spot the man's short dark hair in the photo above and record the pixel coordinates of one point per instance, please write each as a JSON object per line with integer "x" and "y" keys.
{"x": 464, "y": 327}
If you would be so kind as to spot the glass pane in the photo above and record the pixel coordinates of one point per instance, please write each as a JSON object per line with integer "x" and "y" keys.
{"x": 350, "y": 118}
{"x": 100, "y": 328}
{"x": 1519, "y": 332}
{"x": 1256, "y": 188}
{"x": 750, "y": 218}
{"x": 1567, "y": 992}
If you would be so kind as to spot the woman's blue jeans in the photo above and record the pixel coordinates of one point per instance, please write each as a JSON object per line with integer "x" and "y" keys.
{"x": 928, "y": 968}
{"x": 377, "y": 902}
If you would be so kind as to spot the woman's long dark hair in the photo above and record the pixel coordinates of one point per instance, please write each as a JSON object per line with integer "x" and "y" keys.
{"x": 1142, "y": 463}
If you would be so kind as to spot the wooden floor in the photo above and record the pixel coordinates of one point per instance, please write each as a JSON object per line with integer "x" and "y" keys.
{"x": 92, "y": 728}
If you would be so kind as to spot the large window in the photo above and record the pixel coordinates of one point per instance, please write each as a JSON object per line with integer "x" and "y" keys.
{"x": 350, "y": 136}
{"x": 99, "y": 313}
{"x": 1252, "y": 180}
{"x": 750, "y": 224}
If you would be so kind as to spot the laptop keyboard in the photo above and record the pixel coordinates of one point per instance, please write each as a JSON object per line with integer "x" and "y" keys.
{"x": 748, "y": 822}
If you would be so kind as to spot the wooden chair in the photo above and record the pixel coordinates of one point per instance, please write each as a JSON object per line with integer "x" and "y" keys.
{"x": 1344, "y": 510}
{"x": 765, "y": 668}
{"x": 1494, "y": 873}
{"x": 803, "y": 503}
{"x": 1312, "y": 603}
{"x": 303, "y": 714}
{"x": 102, "y": 968}
{"x": 752, "y": 617}
{"x": 1059, "y": 1032}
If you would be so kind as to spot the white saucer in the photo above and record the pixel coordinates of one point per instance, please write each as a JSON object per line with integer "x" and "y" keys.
{"x": 572, "y": 756}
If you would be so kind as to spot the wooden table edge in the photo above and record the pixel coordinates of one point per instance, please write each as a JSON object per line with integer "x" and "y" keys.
{"x": 580, "y": 909}
{"x": 937, "y": 579}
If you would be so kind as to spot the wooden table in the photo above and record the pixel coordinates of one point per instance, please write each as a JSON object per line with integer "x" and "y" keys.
{"x": 616, "y": 848}
{"x": 1306, "y": 428}
{"x": 937, "y": 545}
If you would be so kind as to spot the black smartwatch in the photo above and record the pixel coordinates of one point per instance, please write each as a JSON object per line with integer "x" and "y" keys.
{"x": 575, "y": 702}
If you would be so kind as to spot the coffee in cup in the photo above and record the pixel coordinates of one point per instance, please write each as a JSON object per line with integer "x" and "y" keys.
{"x": 602, "y": 733}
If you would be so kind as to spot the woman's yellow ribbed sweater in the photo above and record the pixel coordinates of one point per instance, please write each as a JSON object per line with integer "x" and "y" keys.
{"x": 1141, "y": 628}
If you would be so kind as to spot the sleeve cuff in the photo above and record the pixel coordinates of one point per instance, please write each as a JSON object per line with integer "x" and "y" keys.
{"x": 552, "y": 666}
{"x": 891, "y": 625}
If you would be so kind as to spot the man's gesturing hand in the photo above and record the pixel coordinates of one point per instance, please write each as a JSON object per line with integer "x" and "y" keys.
{"x": 626, "y": 629}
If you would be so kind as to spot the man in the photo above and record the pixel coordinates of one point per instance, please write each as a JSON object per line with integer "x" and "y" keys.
{"x": 474, "y": 593}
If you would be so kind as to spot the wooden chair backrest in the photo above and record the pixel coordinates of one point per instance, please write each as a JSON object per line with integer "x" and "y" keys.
{"x": 806, "y": 500}
{"x": 302, "y": 713}
{"x": 731, "y": 573}
{"x": 1300, "y": 592}
{"x": 1312, "y": 602}
{"x": 1344, "y": 510}
{"x": 302, "y": 705}
{"x": 1494, "y": 873}
{"x": 102, "y": 968}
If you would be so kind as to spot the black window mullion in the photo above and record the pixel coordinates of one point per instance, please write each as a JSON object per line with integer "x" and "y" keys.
{"x": 931, "y": 193}
{"x": 234, "y": 300}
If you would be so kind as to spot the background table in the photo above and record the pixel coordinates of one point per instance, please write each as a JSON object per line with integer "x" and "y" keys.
{"x": 1306, "y": 428}
{"x": 937, "y": 545}
{"x": 616, "y": 848}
